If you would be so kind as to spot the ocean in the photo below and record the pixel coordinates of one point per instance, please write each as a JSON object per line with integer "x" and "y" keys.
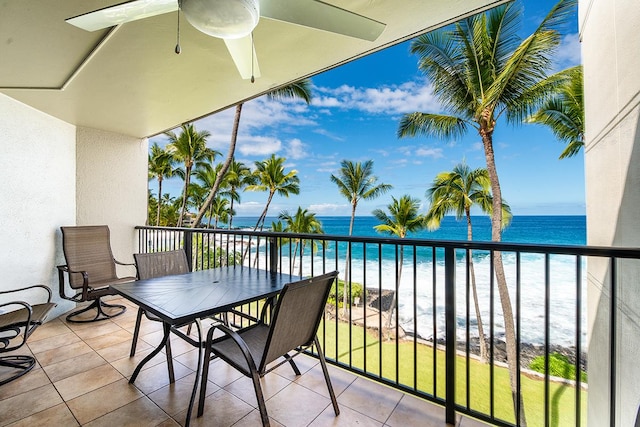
{"x": 561, "y": 230}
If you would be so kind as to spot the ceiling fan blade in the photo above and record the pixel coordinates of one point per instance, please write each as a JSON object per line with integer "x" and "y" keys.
{"x": 323, "y": 16}
{"x": 121, "y": 13}
{"x": 243, "y": 53}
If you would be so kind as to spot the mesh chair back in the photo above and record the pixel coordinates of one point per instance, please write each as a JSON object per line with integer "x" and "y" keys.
{"x": 88, "y": 248}
{"x": 160, "y": 264}
{"x": 297, "y": 316}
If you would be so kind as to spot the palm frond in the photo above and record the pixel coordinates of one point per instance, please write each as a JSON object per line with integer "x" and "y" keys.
{"x": 436, "y": 125}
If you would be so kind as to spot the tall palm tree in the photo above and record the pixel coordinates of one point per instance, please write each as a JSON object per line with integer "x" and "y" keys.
{"x": 270, "y": 176}
{"x": 207, "y": 175}
{"x": 563, "y": 112}
{"x": 300, "y": 89}
{"x": 220, "y": 210}
{"x": 302, "y": 222}
{"x": 481, "y": 70}
{"x": 161, "y": 165}
{"x": 403, "y": 218}
{"x": 457, "y": 192}
{"x": 189, "y": 147}
{"x": 238, "y": 177}
{"x": 356, "y": 182}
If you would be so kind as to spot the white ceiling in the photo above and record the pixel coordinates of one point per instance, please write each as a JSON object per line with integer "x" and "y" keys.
{"x": 129, "y": 80}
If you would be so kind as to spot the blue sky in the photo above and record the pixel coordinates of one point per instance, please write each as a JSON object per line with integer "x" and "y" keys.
{"x": 354, "y": 115}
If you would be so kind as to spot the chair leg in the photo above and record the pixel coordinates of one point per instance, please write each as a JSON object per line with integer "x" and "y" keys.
{"x": 172, "y": 377}
{"x": 98, "y": 304}
{"x": 325, "y": 371}
{"x": 22, "y": 364}
{"x": 205, "y": 375}
{"x": 260, "y": 398}
{"x": 136, "y": 332}
{"x": 293, "y": 364}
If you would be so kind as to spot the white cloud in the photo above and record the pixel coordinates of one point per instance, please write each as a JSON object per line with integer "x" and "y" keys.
{"x": 327, "y": 208}
{"x": 434, "y": 153}
{"x": 568, "y": 53}
{"x": 296, "y": 149}
{"x": 393, "y": 99}
{"x": 258, "y": 145}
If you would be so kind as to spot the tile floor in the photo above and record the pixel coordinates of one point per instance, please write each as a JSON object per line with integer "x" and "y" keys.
{"x": 82, "y": 379}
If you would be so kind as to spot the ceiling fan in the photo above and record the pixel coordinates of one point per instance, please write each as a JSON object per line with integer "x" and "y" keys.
{"x": 234, "y": 20}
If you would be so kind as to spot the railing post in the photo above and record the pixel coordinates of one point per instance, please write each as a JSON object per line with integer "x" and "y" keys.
{"x": 188, "y": 247}
{"x": 273, "y": 254}
{"x": 450, "y": 328}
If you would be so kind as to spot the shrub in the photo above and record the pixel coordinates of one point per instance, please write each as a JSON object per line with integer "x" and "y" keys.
{"x": 559, "y": 366}
{"x": 356, "y": 292}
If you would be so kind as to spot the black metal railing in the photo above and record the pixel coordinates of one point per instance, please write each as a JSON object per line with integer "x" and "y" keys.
{"x": 407, "y": 318}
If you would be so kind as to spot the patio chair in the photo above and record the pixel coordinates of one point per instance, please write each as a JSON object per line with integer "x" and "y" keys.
{"x": 293, "y": 327}
{"x": 18, "y": 320}
{"x": 90, "y": 269}
{"x": 152, "y": 265}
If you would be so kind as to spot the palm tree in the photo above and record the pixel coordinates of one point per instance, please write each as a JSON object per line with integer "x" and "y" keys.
{"x": 403, "y": 218}
{"x": 190, "y": 148}
{"x": 270, "y": 176}
{"x": 238, "y": 177}
{"x": 161, "y": 165}
{"x": 481, "y": 71}
{"x": 356, "y": 182}
{"x": 563, "y": 112}
{"x": 220, "y": 210}
{"x": 300, "y": 89}
{"x": 456, "y": 192}
{"x": 302, "y": 222}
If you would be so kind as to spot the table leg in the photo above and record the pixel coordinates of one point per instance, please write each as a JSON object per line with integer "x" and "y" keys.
{"x": 197, "y": 380}
{"x": 167, "y": 330}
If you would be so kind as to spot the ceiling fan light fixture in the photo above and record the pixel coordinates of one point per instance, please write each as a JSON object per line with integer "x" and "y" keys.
{"x": 226, "y": 19}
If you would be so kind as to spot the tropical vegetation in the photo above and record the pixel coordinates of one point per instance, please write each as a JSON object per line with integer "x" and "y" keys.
{"x": 482, "y": 71}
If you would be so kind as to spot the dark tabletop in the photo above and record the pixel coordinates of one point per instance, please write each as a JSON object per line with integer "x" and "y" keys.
{"x": 180, "y": 298}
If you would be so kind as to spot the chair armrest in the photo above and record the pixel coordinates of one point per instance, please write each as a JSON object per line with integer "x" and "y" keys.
{"x": 237, "y": 339}
{"x": 85, "y": 282}
{"x": 123, "y": 263}
{"x": 49, "y": 295}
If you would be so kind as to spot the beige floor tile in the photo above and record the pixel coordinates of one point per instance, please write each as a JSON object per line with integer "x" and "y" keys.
{"x": 221, "y": 374}
{"x": 314, "y": 380}
{"x": 121, "y": 350}
{"x": 367, "y": 397}
{"x": 113, "y": 338}
{"x": 127, "y": 365}
{"x": 26, "y": 404}
{"x": 296, "y": 405}
{"x": 189, "y": 359}
{"x": 61, "y": 370}
{"x": 58, "y": 415}
{"x": 412, "y": 410}
{"x": 100, "y": 402}
{"x": 139, "y": 413}
{"x": 347, "y": 418}
{"x": 170, "y": 422}
{"x": 52, "y": 343}
{"x": 97, "y": 329}
{"x": 303, "y": 362}
{"x": 271, "y": 384}
{"x": 253, "y": 419}
{"x": 64, "y": 352}
{"x": 50, "y": 329}
{"x": 221, "y": 409}
{"x": 156, "y": 377}
{"x": 32, "y": 380}
{"x": 174, "y": 398}
{"x": 84, "y": 382}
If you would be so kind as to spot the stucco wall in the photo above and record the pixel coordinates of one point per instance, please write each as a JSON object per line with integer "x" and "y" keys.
{"x": 112, "y": 187}
{"x": 37, "y": 175}
{"x": 611, "y": 56}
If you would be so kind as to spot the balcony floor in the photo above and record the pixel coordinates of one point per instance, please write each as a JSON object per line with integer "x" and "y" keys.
{"x": 82, "y": 379}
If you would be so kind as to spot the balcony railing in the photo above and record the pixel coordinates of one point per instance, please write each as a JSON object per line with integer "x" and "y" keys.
{"x": 410, "y": 319}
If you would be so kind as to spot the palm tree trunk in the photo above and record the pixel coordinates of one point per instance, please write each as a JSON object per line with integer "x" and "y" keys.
{"x": 187, "y": 180}
{"x": 394, "y": 300}
{"x": 503, "y": 290}
{"x": 159, "y": 200}
{"x": 474, "y": 290}
{"x": 225, "y": 166}
{"x": 231, "y": 212}
{"x": 347, "y": 269}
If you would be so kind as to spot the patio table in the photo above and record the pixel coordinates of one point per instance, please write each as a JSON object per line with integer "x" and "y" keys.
{"x": 184, "y": 298}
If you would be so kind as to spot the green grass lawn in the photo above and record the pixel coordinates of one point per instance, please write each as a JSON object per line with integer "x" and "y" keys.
{"x": 561, "y": 396}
